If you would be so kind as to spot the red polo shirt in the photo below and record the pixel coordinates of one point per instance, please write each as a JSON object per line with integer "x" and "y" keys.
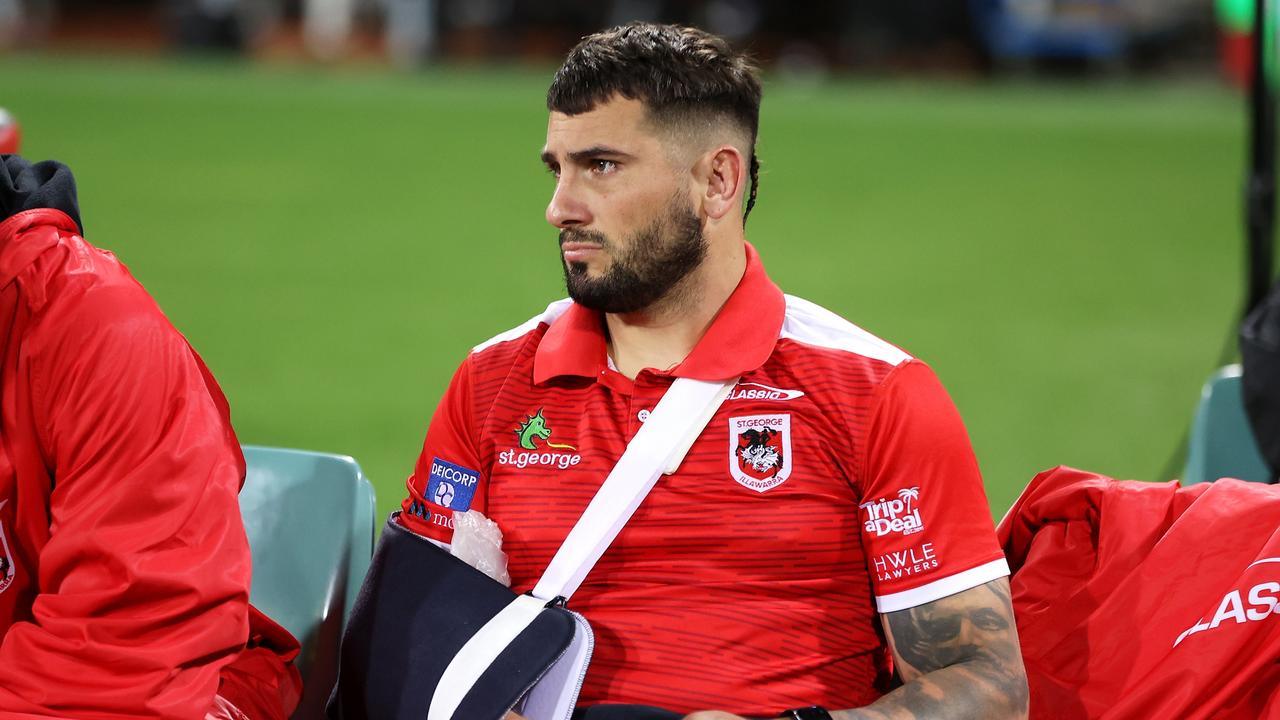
{"x": 835, "y": 482}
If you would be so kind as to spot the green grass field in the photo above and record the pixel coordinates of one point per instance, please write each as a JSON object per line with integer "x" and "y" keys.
{"x": 1068, "y": 258}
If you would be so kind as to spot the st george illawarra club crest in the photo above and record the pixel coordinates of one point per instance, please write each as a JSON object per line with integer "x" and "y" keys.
{"x": 760, "y": 450}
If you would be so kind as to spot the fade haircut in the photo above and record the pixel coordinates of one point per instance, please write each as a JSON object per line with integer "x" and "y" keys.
{"x": 686, "y": 78}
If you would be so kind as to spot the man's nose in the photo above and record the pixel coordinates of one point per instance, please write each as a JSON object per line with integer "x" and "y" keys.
{"x": 565, "y": 209}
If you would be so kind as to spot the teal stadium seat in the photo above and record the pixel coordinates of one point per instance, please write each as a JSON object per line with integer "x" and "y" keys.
{"x": 1222, "y": 443}
{"x": 310, "y": 521}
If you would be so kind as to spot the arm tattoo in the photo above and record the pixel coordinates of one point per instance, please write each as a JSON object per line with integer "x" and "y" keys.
{"x": 938, "y": 634}
{"x": 958, "y": 657}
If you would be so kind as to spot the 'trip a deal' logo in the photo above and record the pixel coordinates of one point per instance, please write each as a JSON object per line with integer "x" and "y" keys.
{"x": 894, "y": 515}
{"x": 529, "y": 432}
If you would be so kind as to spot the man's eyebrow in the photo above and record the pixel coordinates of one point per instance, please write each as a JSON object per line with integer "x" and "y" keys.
{"x": 594, "y": 151}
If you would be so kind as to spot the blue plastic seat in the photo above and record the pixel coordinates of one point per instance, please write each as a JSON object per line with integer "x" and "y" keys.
{"x": 310, "y": 521}
{"x": 1222, "y": 442}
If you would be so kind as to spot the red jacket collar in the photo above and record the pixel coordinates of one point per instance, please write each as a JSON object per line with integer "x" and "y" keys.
{"x": 740, "y": 339}
{"x": 25, "y": 235}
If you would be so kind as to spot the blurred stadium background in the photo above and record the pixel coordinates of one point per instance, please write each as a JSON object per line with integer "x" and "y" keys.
{"x": 334, "y": 200}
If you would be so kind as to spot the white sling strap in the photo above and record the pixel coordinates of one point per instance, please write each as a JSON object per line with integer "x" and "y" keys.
{"x": 479, "y": 653}
{"x": 657, "y": 448}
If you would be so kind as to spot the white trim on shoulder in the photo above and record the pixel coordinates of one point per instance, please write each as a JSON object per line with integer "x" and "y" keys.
{"x": 548, "y": 316}
{"x": 813, "y": 324}
{"x": 947, "y": 586}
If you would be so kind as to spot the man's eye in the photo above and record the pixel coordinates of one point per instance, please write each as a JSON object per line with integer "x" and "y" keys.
{"x": 554, "y": 170}
{"x": 602, "y": 167}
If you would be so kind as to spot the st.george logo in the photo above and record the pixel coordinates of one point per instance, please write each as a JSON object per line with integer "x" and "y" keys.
{"x": 534, "y": 437}
{"x": 535, "y": 428}
{"x": 760, "y": 450}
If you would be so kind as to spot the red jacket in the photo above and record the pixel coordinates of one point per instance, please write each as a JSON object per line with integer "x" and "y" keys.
{"x": 124, "y": 569}
{"x": 1146, "y": 600}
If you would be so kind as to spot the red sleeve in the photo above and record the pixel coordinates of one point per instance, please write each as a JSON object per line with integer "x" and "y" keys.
{"x": 447, "y": 476}
{"x": 144, "y": 579}
{"x": 926, "y": 524}
{"x": 262, "y": 683}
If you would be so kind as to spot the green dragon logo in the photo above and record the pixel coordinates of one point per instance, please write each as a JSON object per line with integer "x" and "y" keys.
{"x": 535, "y": 426}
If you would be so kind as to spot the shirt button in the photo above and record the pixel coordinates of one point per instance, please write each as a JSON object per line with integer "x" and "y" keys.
{"x": 643, "y": 415}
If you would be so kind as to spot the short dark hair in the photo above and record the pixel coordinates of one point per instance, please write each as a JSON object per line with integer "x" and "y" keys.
{"x": 681, "y": 74}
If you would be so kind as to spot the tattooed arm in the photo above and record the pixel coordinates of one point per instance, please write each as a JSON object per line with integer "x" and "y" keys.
{"x": 958, "y": 657}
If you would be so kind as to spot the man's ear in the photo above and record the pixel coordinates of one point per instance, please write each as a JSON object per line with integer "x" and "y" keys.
{"x": 723, "y": 171}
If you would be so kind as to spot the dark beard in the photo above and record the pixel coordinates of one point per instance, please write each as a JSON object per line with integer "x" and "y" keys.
{"x": 657, "y": 258}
